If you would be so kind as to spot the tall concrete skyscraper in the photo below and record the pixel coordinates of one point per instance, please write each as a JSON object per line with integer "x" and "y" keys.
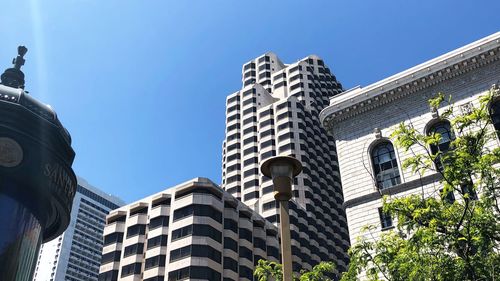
{"x": 276, "y": 113}
{"x": 76, "y": 254}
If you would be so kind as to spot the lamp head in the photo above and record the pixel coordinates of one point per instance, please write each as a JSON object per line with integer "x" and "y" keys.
{"x": 282, "y": 169}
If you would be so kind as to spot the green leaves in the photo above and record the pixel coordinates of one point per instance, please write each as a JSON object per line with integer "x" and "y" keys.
{"x": 272, "y": 271}
{"x": 434, "y": 238}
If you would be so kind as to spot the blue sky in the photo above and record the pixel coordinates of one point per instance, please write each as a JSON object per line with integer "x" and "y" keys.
{"x": 141, "y": 85}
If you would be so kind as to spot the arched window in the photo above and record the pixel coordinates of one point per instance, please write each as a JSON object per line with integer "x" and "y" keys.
{"x": 495, "y": 115}
{"x": 442, "y": 128}
{"x": 385, "y": 165}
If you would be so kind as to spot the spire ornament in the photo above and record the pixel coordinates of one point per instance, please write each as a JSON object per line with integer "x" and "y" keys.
{"x": 14, "y": 77}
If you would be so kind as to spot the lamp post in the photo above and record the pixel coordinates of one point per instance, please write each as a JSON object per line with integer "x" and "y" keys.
{"x": 282, "y": 169}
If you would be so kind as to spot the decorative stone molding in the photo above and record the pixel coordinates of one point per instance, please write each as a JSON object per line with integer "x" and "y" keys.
{"x": 430, "y": 73}
{"x": 378, "y": 133}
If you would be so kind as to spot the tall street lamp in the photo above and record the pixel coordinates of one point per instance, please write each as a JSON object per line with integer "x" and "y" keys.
{"x": 282, "y": 169}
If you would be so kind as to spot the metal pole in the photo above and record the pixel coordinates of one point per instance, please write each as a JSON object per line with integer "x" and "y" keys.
{"x": 286, "y": 247}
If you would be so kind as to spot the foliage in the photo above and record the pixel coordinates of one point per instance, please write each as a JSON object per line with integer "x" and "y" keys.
{"x": 434, "y": 238}
{"x": 272, "y": 271}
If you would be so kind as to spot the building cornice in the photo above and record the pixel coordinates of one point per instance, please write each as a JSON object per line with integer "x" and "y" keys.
{"x": 432, "y": 72}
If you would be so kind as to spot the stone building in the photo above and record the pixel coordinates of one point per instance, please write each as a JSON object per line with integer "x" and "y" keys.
{"x": 361, "y": 120}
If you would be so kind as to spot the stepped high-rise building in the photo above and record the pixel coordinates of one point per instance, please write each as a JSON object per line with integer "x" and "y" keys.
{"x": 194, "y": 231}
{"x": 276, "y": 113}
{"x": 76, "y": 254}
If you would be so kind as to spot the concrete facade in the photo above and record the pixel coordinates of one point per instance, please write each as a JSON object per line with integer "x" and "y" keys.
{"x": 276, "y": 113}
{"x": 361, "y": 118}
{"x": 193, "y": 231}
{"x": 76, "y": 254}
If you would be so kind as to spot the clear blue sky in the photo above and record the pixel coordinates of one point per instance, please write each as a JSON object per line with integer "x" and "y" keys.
{"x": 141, "y": 84}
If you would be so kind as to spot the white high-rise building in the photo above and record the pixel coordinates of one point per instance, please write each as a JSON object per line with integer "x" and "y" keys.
{"x": 76, "y": 254}
{"x": 276, "y": 113}
{"x": 193, "y": 231}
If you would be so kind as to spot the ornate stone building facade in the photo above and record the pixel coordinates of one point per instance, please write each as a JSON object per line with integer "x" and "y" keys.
{"x": 361, "y": 120}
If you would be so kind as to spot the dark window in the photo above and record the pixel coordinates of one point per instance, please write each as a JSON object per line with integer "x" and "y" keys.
{"x": 246, "y": 234}
{"x": 385, "y": 165}
{"x": 267, "y": 133}
{"x": 385, "y": 219}
{"x": 252, "y": 149}
{"x": 232, "y": 179}
{"x": 230, "y": 244}
{"x": 267, "y": 144}
{"x": 134, "y": 268}
{"x": 265, "y": 113}
{"x": 138, "y": 229}
{"x": 135, "y": 249}
{"x": 231, "y": 225}
{"x": 268, "y": 154}
{"x": 250, "y": 161}
{"x": 156, "y": 278}
{"x": 157, "y": 241}
{"x": 259, "y": 243}
{"x": 158, "y": 222}
{"x": 198, "y": 210}
{"x": 194, "y": 272}
{"x": 442, "y": 128}
{"x": 162, "y": 202}
{"x": 249, "y": 65}
{"x": 116, "y": 237}
{"x": 250, "y": 140}
{"x": 156, "y": 261}
{"x": 111, "y": 257}
{"x": 270, "y": 205}
{"x": 251, "y": 172}
{"x": 111, "y": 275}
{"x": 251, "y": 195}
{"x": 448, "y": 197}
{"x": 197, "y": 230}
{"x": 467, "y": 189}
{"x": 495, "y": 116}
{"x": 252, "y": 183}
{"x": 249, "y": 110}
{"x": 273, "y": 252}
{"x": 203, "y": 251}
{"x": 250, "y": 120}
{"x": 246, "y": 272}
{"x": 231, "y": 264}
{"x": 249, "y": 101}
{"x": 246, "y": 253}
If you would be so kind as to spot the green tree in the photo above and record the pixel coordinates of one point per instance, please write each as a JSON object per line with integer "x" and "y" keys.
{"x": 272, "y": 271}
{"x": 436, "y": 238}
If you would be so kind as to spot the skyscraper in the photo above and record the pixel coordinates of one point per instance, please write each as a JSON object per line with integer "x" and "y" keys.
{"x": 276, "y": 112}
{"x": 194, "y": 230}
{"x": 76, "y": 254}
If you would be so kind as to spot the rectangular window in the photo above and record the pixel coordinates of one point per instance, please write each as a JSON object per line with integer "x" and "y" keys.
{"x": 158, "y": 241}
{"x": 231, "y": 225}
{"x": 385, "y": 219}
{"x": 230, "y": 244}
{"x": 157, "y": 261}
{"x": 138, "y": 229}
{"x": 198, "y": 210}
{"x": 160, "y": 221}
{"x": 136, "y": 249}
{"x": 230, "y": 264}
{"x": 131, "y": 269}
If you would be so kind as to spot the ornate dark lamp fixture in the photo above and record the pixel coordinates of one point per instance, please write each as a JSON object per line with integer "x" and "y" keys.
{"x": 37, "y": 183}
